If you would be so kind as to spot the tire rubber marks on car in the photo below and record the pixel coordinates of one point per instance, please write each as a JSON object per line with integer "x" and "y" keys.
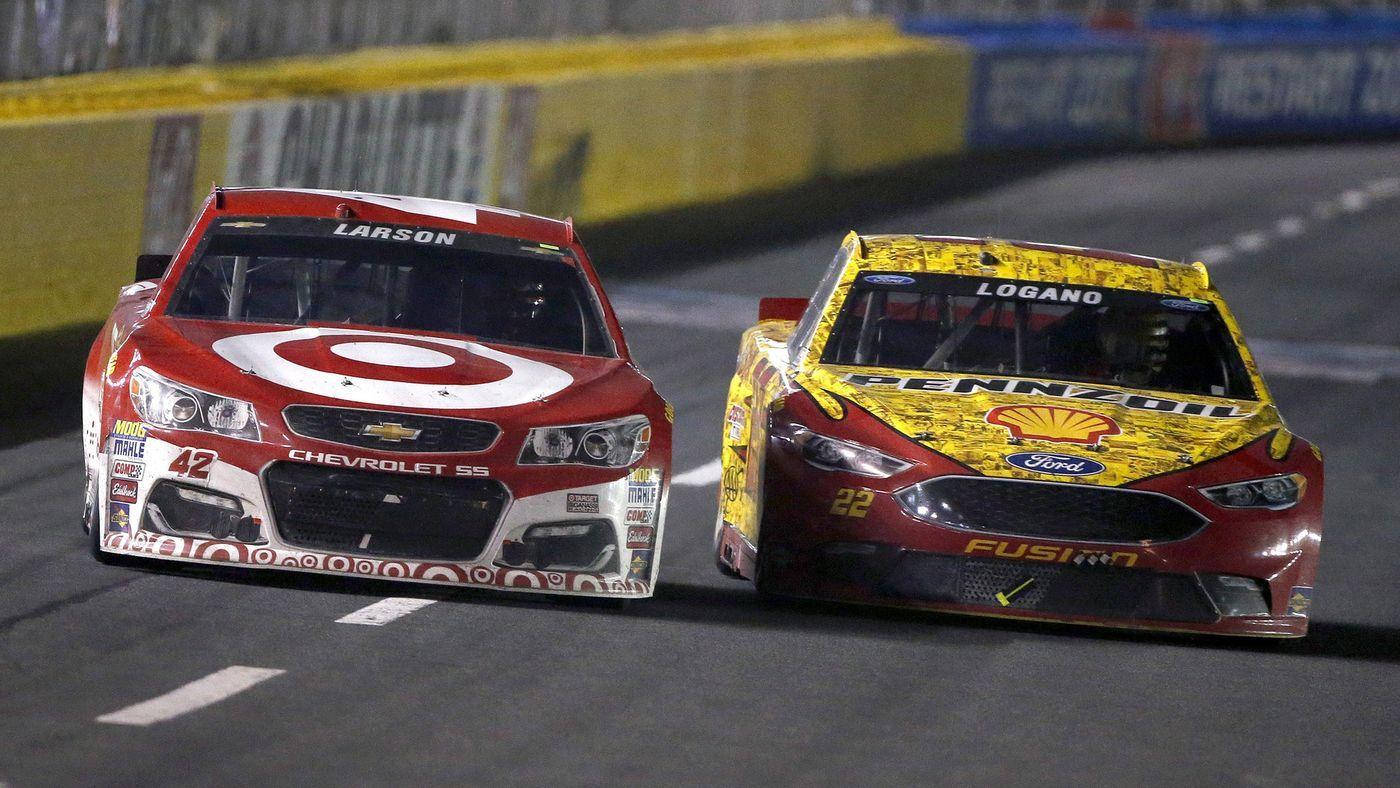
{"x": 528, "y": 381}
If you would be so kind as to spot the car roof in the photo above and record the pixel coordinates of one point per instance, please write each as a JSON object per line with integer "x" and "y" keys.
{"x": 395, "y": 209}
{"x": 1027, "y": 260}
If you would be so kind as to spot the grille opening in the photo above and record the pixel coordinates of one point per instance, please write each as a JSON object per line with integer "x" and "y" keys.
{"x": 1051, "y": 510}
{"x": 428, "y": 433}
{"x": 361, "y": 512}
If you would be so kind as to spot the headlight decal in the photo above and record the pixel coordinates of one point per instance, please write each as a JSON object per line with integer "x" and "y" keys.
{"x": 161, "y": 402}
{"x": 607, "y": 444}
{"x": 835, "y": 454}
{"x": 1270, "y": 492}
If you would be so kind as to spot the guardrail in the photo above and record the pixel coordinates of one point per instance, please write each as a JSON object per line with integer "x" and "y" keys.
{"x": 40, "y": 38}
{"x": 103, "y": 167}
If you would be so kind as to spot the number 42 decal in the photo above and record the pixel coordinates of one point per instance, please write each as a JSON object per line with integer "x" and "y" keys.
{"x": 194, "y": 463}
{"x": 852, "y": 503}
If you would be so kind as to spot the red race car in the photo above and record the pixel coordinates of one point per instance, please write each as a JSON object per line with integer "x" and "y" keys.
{"x": 378, "y": 386}
{"x": 1021, "y": 430}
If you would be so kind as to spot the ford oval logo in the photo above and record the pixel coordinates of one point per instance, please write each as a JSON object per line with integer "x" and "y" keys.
{"x": 1058, "y": 464}
{"x": 1185, "y": 305}
{"x": 889, "y": 279}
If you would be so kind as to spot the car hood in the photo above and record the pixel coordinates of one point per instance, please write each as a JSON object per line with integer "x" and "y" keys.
{"x": 998, "y": 426}
{"x": 393, "y": 369}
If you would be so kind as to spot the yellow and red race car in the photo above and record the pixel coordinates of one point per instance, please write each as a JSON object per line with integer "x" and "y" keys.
{"x": 1017, "y": 429}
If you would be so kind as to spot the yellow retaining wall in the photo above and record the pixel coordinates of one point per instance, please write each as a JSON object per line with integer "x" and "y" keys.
{"x": 603, "y": 129}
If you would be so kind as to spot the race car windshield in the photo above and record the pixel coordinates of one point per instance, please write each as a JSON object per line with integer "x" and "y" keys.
{"x": 312, "y": 271}
{"x": 952, "y": 323}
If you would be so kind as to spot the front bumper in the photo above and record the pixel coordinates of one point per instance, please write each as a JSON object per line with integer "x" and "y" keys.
{"x": 502, "y": 546}
{"x": 1099, "y": 594}
{"x": 837, "y": 536}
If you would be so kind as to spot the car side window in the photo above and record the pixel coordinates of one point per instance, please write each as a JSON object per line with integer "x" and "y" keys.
{"x": 812, "y": 315}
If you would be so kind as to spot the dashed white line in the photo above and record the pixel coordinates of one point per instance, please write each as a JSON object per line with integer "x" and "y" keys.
{"x": 699, "y": 477}
{"x": 1354, "y": 200}
{"x": 1292, "y": 226}
{"x": 1251, "y": 242}
{"x": 196, "y": 695}
{"x": 384, "y": 611}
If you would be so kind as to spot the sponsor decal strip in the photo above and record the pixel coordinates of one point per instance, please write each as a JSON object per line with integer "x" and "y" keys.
{"x": 213, "y": 551}
{"x": 398, "y": 466}
{"x": 1042, "y": 388}
{"x": 1049, "y": 553}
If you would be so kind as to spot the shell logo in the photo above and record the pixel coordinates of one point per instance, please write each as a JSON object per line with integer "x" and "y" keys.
{"x": 1053, "y": 423}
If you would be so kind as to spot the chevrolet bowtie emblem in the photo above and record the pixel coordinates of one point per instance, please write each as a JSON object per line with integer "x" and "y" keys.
{"x": 390, "y": 431}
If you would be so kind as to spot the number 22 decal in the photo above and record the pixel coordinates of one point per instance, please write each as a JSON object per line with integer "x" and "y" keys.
{"x": 194, "y": 463}
{"x": 852, "y": 503}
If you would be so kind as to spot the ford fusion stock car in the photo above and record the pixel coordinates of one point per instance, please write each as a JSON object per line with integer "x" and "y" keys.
{"x": 381, "y": 386}
{"x": 1022, "y": 430}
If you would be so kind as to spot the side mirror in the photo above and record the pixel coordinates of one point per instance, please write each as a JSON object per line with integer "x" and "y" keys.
{"x": 151, "y": 266}
{"x": 781, "y": 308}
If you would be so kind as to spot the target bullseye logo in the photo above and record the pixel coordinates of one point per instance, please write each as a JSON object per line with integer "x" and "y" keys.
{"x": 392, "y": 354}
{"x": 526, "y": 380}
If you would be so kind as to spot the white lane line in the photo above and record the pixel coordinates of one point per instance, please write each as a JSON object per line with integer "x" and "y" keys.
{"x": 1348, "y": 363}
{"x": 1291, "y": 226}
{"x": 196, "y": 695}
{"x": 1251, "y": 242}
{"x": 699, "y": 477}
{"x": 384, "y": 611}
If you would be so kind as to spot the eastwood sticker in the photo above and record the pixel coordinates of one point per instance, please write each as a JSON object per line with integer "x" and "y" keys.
{"x": 396, "y": 466}
{"x": 581, "y": 503}
{"x": 123, "y": 490}
{"x": 1040, "y": 388}
{"x": 1053, "y": 423}
{"x": 639, "y": 537}
{"x": 1058, "y": 464}
{"x": 126, "y": 469}
{"x": 381, "y": 233}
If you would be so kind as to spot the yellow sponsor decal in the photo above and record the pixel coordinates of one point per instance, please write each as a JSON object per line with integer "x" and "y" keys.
{"x": 1048, "y": 553}
{"x": 1053, "y": 423}
{"x": 130, "y": 429}
{"x": 852, "y": 503}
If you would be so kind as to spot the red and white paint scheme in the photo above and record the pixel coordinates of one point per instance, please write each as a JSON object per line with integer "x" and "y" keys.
{"x": 381, "y": 386}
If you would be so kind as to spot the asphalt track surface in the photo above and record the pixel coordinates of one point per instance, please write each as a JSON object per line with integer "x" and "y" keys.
{"x": 707, "y": 684}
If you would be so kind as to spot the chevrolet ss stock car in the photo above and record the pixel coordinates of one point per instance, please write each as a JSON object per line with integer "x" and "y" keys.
{"x": 1021, "y": 430}
{"x": 379, "y": 386}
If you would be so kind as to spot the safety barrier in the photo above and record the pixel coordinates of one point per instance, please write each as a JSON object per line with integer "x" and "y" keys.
{"x": 1179, "y": 78}
{"x": 97, "y": 168}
